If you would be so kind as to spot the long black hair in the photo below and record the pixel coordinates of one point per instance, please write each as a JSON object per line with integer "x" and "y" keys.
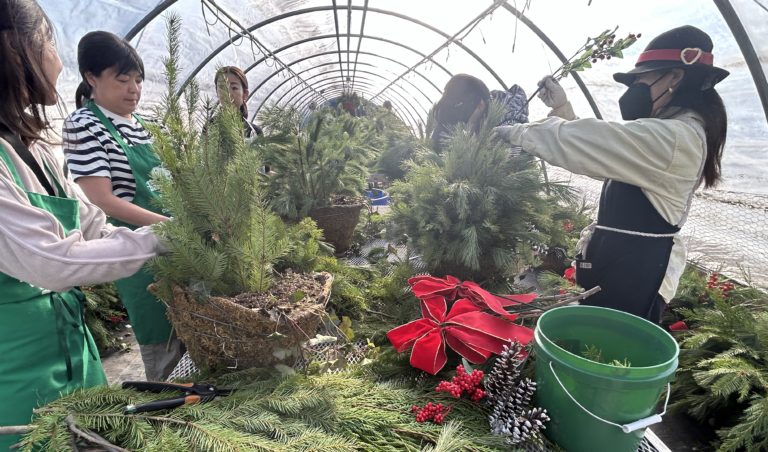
{"x": 709, "y": 105}
{"x": 22, "y": 76}
{"x": 100, "y": 50}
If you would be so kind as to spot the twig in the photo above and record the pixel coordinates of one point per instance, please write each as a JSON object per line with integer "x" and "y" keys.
{"x": 371, "y": 311}
{"x": 92, "y": 437}
{"x": 565, "y": 302}
{"x": 15, "y": 429}
{"x": 562, "y": 301}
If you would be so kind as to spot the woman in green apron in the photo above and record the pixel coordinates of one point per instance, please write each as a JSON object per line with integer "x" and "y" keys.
{"x": 109, "y": 154}
{"x": 51, "y": 238}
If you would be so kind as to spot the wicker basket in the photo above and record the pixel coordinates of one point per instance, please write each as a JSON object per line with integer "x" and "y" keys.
{"x": 220, "y": 333}
{"x": 338, "y": 223}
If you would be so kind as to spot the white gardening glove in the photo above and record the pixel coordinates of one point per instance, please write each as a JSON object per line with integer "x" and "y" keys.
{"x": 551, "y": 93}
{"x": 553, "y": 96}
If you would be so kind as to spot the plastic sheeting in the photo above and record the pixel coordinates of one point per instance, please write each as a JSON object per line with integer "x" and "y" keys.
{"x": 403, "y": 52}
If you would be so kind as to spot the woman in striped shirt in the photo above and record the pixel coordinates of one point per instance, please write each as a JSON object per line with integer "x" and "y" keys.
{"x": 109, "y": 154}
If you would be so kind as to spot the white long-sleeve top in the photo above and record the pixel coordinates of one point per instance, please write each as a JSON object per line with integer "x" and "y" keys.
{"x": 664, "y": 157}
{"x": 35, "y": 249}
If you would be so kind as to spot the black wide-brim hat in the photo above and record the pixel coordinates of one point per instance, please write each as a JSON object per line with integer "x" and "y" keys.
{"x": 684, "y": 47}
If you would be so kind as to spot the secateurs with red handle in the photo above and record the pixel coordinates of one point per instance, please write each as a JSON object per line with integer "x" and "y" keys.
{"x": 193, "y": 393}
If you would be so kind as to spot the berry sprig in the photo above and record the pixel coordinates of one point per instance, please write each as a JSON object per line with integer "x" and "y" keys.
{"x": 714, "y": 283}
{"x": 464, "y": 383}
{"x": 606, "y": 47}
{"x": 434, "y": 412}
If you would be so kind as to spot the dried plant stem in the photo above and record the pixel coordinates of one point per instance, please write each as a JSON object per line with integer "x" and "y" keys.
{"x": 15, "y": 429}
{"x": 92, "y": 437}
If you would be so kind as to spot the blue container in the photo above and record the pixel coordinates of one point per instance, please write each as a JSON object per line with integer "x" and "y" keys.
{"x": 377, "y": 197}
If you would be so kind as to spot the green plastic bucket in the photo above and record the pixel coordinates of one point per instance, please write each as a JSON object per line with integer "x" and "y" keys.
{"x": 595, "y": 406}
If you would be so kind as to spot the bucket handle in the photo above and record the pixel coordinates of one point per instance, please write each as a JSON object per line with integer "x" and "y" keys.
{"x": 626, "y": 428}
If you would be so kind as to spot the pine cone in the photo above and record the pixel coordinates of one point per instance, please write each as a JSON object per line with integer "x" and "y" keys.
{"x": 504, "y": 374}
{"x": 510, "y": 399}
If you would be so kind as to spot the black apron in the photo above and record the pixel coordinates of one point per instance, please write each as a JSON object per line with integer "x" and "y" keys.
{"x": 628, "y": 253}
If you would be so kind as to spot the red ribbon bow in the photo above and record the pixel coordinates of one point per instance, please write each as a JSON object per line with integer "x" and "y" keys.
{"x": 474, "y": 334}
{"x": 452, "y": 288}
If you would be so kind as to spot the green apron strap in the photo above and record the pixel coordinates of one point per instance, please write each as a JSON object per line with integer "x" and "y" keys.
{"x": 59, "y": 188}
{"x": 11, "y": 168}
{"x": 140, "y": 121}
{"x": 61, "y": 324}
{"x": 108, "y": 124}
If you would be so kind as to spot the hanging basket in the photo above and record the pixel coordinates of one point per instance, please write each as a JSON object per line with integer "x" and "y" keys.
{"x": 338, "y": 223}
{"x": 222, "y": 333}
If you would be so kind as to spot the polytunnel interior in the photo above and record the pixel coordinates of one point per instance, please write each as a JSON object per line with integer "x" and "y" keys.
{"x": 305, "y": 52}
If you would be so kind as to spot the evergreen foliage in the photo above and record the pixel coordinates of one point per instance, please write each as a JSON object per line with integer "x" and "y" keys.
{"x": 312, "y": 163}
{"x": 396, "y": 143}
{"x": 331, "y": 412}
{"x": 476, "y": 210}
{"x": 223, "y": 238}
{"x": 103, "y": 309}
{"x": 723, "y": 375}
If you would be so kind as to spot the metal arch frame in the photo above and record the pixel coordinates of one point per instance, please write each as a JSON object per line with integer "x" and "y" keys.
{"x": 404, "y": 97}
{"x": 349, "y": 31}
{"x": 401, "y": 99}
{"x": 336, "y": 92}
{"x": 149, "y": 17}
{"x": 724, "y": 6}
{"x": 556, "y": 50}
{"x": 397, "y": 108}
{"x": 302, "y": 95}
{"x": 747, "y": 50}
{"x": 332, "y": 85}
{"x": 329, "y": 8}
{"x": 359, "y": 40}
{"x": 304, "y": 41}
{"x": 328, "y": 63}
{"x": 333, "y": 93}
{"x": 535, "y": 29}
{"x": 331, "y": 52}
{"x": 453, "y": 39}
{"x": 315, "y": 38}
{"x": 338, "y": 37}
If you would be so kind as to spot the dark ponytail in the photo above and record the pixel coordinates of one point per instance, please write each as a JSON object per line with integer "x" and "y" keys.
{"x": 716, "y": 129}
{"x": 709, "y": 105}
{"x": 100, "y": 50}
{"x": 82, "y": 94}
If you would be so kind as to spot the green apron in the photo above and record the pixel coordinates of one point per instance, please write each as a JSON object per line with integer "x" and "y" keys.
{"x": 146, "y": 312}
{"x": 45, "y": 348}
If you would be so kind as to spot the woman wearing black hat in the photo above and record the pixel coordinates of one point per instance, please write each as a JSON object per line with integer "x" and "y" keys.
{"x": 652, "y": 164}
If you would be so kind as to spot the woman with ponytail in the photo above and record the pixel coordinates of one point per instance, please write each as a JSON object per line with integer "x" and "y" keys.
{"x": 652, "y": 164}
{"x": 109, "y": 154}
{"x": 52, "y": 239}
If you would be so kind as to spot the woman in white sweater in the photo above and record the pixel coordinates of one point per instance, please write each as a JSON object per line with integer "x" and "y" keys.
{"x": 652, "y": 164}
{"x": 51, "y": 238}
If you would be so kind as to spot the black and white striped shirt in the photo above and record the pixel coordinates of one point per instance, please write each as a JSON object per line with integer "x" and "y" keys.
{"x": 91, "y": 151}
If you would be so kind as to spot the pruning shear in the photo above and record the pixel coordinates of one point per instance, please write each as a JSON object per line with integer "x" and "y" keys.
{"x": 193, "y": 393}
